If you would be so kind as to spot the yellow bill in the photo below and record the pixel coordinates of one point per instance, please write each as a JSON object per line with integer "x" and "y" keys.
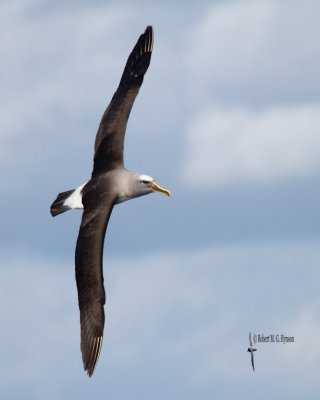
{"x": 158, "y": 188}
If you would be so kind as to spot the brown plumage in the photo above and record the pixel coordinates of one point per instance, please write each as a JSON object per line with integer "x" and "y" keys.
{"x": 98, "y": 200}
{"x": 110, "y": 184}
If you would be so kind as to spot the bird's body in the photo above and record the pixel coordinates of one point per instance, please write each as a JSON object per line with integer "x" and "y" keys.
{"x": 251, "y": 350}
{"x": 111, "y": 183}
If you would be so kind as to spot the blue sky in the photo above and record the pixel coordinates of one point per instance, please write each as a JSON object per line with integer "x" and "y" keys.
{"x": 228, "y": 119}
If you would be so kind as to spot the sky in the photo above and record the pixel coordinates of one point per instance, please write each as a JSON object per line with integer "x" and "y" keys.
{"x": 228, "y": 119}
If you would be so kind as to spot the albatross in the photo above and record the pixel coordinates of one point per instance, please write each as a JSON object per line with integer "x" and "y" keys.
{"x": 111, "y": 183}
{"x": 251, "y": 349}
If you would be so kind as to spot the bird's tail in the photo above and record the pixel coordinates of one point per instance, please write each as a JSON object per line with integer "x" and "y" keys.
{"x": 59, "y": 206}
{"x": 67, "y": 201}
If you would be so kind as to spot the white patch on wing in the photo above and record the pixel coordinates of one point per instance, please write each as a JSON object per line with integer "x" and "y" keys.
{"x": 75, "y": 199}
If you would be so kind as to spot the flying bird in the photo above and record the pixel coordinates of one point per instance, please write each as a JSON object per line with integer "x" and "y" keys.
{"x": 111, "y": 183}
{"x": 251, "y": 349}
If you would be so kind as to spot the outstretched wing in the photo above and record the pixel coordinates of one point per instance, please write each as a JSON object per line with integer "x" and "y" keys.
{"x": 89, "y": 274}
{"x": 110, "y": 136}
{"x": 250, "y": 340}
{"x": 252, "y": 360}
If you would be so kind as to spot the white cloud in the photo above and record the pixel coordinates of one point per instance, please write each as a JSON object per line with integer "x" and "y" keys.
{"x": 306, "y": 327}
{"x": 37, "y": 304}
{"x": 52, "y": 67}
{"x": 255, "y": 52}
{"x": 187, "y": 313}
{"x": 178, "y": 321}
{"x": 242, "y": 145}
{"x": 60, "y": 67}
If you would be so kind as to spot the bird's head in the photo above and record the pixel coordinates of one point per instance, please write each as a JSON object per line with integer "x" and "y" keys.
{"x": 145, "y": 184}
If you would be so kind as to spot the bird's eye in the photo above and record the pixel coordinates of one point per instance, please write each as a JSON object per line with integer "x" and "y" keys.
{"x": 145, "y": 182}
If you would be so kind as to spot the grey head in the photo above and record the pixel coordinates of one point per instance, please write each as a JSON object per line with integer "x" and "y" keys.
{"x": 136, "y": 185}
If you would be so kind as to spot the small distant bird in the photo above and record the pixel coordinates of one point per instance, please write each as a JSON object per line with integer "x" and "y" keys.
{"x": 111, "y": 183}
{"x": 251, "y": 349}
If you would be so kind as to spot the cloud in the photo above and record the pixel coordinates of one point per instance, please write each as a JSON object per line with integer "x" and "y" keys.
{"x": 177, "y": 324}
{"x": 255, "y": 53}
{"x": 236, "y": 145}
{"x": 305, "y": 328}
{"x": 53, "y": 67}
{"x": 181, "y": 318}
{"x": 57, "y": 79}
{"x": 38, "y": 324}
{"x": 250, "y": 68}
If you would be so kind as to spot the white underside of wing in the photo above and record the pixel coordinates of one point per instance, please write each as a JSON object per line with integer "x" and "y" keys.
{"x": 75, "y": 199}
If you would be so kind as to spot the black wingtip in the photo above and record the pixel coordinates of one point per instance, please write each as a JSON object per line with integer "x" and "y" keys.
{"x": 90, "y": 354}
{"x": 92, "y": 323}
{"x": 139, "y": 59}
{"x": 149, "y": 38}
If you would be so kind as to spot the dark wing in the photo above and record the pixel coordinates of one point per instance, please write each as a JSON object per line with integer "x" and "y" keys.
{"x": 110, "y": 136}
{"x": 252, "y": 360}
{"x": 89, "y": 274}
